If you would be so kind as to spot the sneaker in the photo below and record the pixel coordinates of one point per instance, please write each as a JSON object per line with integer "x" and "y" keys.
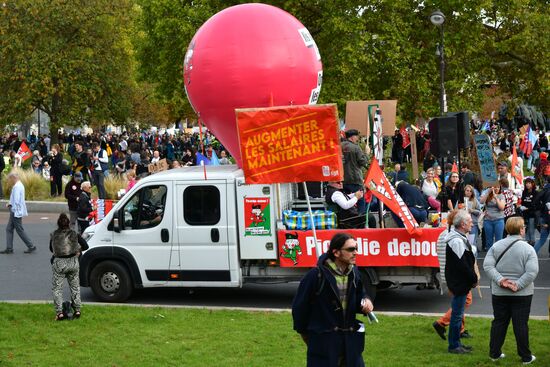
{"x": 533, "y": 358}
{"x": 29, "y": 250}
{"x": 6, "y": 252}
{"x": 440, "y": 330}
{"x": 465, "y": 334}
{"x": 502, "y": 355}
{"x": 459, "y": 350}
{"x": 467, "y": 347}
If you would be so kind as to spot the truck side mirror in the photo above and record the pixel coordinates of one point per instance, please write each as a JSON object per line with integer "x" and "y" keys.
{"x": 115, "y": 223}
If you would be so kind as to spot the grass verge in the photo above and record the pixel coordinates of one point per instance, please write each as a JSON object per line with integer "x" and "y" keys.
{"x": 134, "y": 336}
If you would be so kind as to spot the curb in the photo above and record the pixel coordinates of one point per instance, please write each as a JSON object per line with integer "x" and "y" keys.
{"x": 251, "y": 309}
{"x": 40, "y": 206}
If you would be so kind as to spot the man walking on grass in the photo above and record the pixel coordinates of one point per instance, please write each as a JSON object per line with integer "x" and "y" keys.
{"x": 18, "y": 210}
{"x": 325, "y": 307}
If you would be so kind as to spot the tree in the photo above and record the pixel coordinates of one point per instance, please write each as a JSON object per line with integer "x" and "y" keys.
{"x": 381, "y": 49}
{"x": 71, "y": 59}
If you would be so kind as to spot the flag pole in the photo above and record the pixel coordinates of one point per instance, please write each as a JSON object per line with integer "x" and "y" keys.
{"x": 318, "y": 249}
{"x": 202, "y": 148}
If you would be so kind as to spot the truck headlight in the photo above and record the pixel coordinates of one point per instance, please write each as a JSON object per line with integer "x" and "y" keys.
{"x": 87, "y": 236}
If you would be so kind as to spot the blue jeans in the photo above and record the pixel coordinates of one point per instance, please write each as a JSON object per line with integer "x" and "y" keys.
{"x": 475, "y": 232}
{"x": 361, "y": 204}
{"x": 532, "y": 158}
{"x": 544, "y": 230}
{"x": 420, "y": 215}
{"x": 457, "y": 306}
{"x": 530, "y": 232}
{"x": 494, "y": 230}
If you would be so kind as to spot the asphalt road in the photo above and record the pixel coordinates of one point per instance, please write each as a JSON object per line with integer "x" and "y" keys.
{"x": 28, "y": 277}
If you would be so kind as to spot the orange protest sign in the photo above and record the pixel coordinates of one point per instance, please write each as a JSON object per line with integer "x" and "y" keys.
{"x": 290, "y": 144}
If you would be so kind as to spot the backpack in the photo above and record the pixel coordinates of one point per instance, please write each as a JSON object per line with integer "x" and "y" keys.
{"x": 64, "y": 242}
{"x": 65, "y": 169}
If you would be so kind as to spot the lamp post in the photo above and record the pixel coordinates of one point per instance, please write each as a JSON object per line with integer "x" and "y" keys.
{"x": 438, "y": 18}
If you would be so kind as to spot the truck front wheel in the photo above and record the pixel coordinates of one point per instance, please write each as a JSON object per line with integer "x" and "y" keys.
{"x": 110, "y": 281}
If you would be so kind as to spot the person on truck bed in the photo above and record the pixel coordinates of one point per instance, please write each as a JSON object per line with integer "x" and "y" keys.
{"x": 345, "y": 206}
{"x": 354, "y": 160}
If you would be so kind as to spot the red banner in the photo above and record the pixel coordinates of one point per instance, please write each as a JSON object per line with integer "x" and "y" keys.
{"x": 376, "y": 247}
{"x": 377, "y": 182}
{"x": 290, "y": 144}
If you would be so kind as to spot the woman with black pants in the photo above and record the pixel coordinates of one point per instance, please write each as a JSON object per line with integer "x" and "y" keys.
{"x": 55, "y": 158}
{"x": 512, "y": 265}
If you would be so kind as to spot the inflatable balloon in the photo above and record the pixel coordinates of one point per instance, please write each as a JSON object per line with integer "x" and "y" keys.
{"x": 250, "y": 55}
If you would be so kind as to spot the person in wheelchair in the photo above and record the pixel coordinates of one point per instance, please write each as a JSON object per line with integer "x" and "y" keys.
{"x": 344, "y": 205}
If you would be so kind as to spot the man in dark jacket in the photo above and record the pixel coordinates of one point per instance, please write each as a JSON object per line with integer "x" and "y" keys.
{"x": 460, "y": 275}
{"x": 354, "y": 160}
{"x": 325, "y": 306}
{"x": 72, "y": 193}
{"x": 414, "y": 199}
{"x": 84, "y": 206}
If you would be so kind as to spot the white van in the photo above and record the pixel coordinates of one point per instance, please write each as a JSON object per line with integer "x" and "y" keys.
{"x": 185, "y": 228}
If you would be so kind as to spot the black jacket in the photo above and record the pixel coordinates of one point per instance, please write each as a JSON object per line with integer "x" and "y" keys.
{"x": 72, "y": 193}
{"x": 84, "y": 205}
{"x": 528, "y": 201}
{"x": 317, "y": 312}
{"x": 459, "y": 264}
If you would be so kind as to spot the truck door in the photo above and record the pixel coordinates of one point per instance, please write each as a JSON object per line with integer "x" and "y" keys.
{"x": 202, "y": 230}
{"x": 147, "y": 232}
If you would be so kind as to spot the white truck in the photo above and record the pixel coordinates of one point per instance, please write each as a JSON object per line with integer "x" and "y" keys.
{"x": 178, "y": 228}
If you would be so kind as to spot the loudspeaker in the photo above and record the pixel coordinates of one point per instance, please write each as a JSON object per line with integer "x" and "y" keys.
{"x": 443, "y": 133}
{"x": 463, "y": 128}
{"x": 314, "y": 189}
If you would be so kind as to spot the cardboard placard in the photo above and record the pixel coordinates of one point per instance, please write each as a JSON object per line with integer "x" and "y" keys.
{"x": 161, "y": 165}
{"x": 357, "y": 116}
{"x": 486, "y": 160}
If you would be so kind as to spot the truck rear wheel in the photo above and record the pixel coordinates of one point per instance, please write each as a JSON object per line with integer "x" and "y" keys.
{"x": 111, "y": 282}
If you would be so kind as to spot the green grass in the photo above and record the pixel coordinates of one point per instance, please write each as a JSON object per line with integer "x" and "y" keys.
{"x": 131, "y": 336}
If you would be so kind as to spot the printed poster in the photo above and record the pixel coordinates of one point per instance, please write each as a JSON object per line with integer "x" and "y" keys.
{"x": 257, "y": 217}
{"x": 290, "y": 144}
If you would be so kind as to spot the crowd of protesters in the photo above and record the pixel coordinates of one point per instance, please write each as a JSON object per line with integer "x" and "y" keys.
{"x": 96, "y": 156}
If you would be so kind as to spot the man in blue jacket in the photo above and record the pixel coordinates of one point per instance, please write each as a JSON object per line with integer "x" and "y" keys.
{"x": 325, "y": 306}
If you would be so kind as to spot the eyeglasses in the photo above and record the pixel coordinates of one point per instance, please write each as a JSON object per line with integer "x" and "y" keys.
{"x": 454, "y": 176}
{"x": 350, "y": 249}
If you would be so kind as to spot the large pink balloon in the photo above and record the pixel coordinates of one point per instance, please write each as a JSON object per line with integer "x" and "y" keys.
{"x": 251, "y": 55}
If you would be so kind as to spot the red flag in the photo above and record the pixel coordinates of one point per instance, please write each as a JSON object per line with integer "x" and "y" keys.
{"x": 516, "y": 169}
{"x": 406, "y": 138}
{"x": 24, "y": 152}
{"x": 455, "y": 168}
{"x": 380, "y": 187}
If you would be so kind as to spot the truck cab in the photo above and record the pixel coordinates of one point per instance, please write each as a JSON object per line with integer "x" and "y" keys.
{"x": 180, "y": 228}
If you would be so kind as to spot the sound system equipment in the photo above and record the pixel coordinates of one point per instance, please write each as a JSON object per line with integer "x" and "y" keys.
{"x": 463, "y": 128}
{"x": 443, "y": 134}
{"x": 314, "y": 189}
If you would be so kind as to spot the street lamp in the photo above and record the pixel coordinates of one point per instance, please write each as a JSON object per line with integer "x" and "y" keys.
{"x": 438, "y": 18}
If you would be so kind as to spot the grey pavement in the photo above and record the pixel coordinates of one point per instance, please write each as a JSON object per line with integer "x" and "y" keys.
{"x": 28, "y": 277}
